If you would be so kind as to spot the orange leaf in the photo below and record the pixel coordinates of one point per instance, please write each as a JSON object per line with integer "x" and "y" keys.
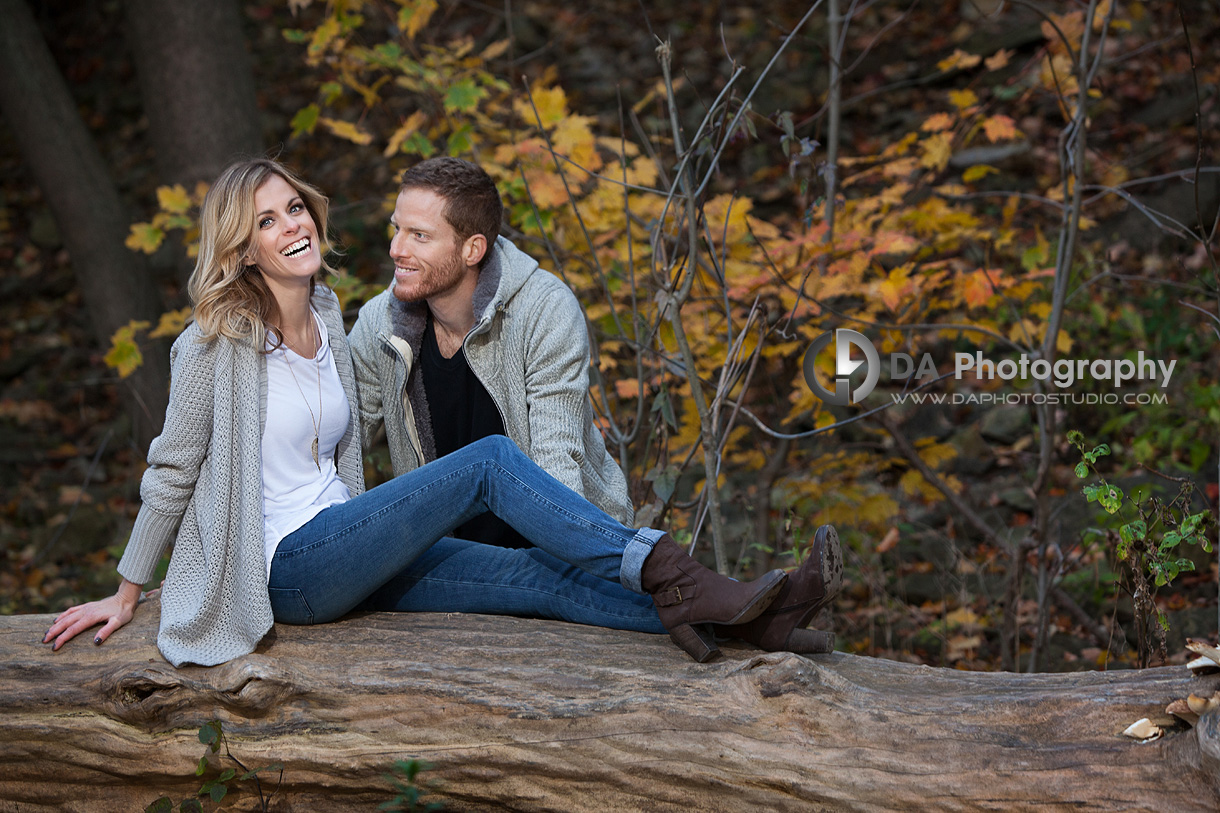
{"x": 937, "y": 122}
{"x": 999, "y": 59}
{"x": 1000, "y": 128}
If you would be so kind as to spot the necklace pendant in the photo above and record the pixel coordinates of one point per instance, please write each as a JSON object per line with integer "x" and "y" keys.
{"x": 313, "y": 448}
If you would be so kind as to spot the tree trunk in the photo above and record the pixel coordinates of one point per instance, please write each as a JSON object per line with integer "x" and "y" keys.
{"x": 67, "y": 166}
{"x": 519, "y": 714}
{"x": 197, "y": 83}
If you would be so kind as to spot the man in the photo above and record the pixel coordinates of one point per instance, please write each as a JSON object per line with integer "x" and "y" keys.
{"x": 472, "y": 339}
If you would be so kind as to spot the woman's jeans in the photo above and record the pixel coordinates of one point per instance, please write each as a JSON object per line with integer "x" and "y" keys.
{"x": 386, "y": 549}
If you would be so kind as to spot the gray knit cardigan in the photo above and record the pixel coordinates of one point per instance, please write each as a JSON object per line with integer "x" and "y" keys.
{"x": 204, "y": 482}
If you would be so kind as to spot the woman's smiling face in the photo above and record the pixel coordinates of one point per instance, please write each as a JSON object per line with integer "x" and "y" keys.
{"x": 287, "y": 249}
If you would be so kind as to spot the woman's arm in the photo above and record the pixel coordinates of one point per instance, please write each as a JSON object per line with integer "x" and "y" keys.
{"x": 113, "y": 612}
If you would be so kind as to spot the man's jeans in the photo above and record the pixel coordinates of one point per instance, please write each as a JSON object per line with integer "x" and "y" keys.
{"x": 386, "y": 549}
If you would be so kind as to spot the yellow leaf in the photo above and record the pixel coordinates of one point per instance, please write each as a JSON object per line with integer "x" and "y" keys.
{"x": 958, "y": 59}
{"x": 893, "y": 288}
{"x": 144, "y": 237}
{"x": 345, "y": 129}
{"x": 1000, "y": 128}
{"x": 934, "y": 454}
{"x": 125, "y": 355}
{"x": 999, "y": 59}
{"x": 323, "y": 35}
{"x": 1063, "y": 342}
{"x": 170, "y": 324}
{"x": 551, "y": 104}
{"x": 173, "y": 199}
{"x": 961, "y": 99}
{"x": 414, "y": 15}
{"x": 936, "y": 151}
{"x": 414, "y": 123}
{"x": 962, "y": 617}
{"x": 574, "y": 138}
{"x": 938, "y": 122}
{"x": 978, "y": 171}
{"x": 494, "y": 50}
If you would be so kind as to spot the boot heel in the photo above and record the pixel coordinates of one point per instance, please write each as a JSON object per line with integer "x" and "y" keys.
{"x": 696, "y": 641}
{"x": 810, "y": 642}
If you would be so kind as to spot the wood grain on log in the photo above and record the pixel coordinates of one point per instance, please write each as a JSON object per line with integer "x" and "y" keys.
{"x": 518, "y": 714}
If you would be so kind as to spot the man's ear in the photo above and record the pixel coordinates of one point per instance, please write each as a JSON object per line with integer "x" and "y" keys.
{"x": 473, "y": 249}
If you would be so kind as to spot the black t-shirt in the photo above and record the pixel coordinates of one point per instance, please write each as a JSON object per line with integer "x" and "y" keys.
{"x": 462, "y": 412}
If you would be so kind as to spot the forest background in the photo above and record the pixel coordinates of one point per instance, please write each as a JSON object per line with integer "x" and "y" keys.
{"x": 720, "y": 186}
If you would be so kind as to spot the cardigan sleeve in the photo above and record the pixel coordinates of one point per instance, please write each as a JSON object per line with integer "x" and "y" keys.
{"x": 367, "y": 357}
{"x": 175, "y": 456}
{"x": 557, "y": 384}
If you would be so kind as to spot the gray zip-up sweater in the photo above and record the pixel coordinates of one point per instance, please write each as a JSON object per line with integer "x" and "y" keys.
{"x": 529, "y": 349}
{"x": 203, "y": 490}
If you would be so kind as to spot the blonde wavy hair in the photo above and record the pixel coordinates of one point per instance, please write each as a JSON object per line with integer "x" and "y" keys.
{"x": 229, "y": 295}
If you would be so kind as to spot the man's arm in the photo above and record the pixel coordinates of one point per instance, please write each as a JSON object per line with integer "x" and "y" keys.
{"x": 366, "y": 359}
{"x": 557, "y": 387}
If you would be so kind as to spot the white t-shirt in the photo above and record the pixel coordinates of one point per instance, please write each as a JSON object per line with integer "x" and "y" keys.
{"x": 294, "y": 489}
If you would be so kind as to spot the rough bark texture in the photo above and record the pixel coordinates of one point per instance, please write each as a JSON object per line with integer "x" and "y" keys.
{"x": 519, "y": 714}
{"x": 73, "y": 177}
{"x": 197, "y": 82}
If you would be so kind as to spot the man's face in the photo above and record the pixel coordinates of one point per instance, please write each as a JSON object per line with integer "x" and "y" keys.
{"x": 428, "y": 260}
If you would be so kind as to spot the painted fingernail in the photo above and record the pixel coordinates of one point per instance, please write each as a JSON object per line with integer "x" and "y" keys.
{"x": 97, "y": 640}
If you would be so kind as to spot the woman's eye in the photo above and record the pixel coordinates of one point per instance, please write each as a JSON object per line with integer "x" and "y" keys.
{"x": 264, "y": 223}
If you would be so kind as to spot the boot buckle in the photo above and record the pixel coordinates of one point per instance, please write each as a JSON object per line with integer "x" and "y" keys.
{"x": 668, "y": 598}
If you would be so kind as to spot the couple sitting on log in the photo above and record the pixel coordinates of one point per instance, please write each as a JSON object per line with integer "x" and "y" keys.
{"x": 472, "y": 355}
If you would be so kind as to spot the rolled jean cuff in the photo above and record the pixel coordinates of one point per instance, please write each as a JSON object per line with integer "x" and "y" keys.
{"x": 634, "y": 554}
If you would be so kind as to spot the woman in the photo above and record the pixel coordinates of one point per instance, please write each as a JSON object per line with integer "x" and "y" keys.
{"x": 257, "y": 478}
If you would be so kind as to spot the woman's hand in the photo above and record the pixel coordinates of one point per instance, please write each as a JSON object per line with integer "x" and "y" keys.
{"x": 111, "y": 612}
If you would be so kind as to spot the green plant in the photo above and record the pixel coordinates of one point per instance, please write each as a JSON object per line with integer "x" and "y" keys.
{"x": 1148, "y": 546}
{"x": 405, "y": 782}
{"x": 212, "y": 735}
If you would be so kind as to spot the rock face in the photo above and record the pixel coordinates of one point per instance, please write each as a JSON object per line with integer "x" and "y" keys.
{"x": 519, "y": 714}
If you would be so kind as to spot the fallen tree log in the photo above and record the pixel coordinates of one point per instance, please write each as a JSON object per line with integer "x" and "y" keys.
{"x": 518, "y": 714}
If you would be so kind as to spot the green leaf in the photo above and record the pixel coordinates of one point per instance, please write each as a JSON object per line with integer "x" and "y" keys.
{"x": 1171, "y": 540}
{"x": 418, "y": 144}
{"x": 664, "y": 484}
{"x": 1082, "y": 470}
{"x": 162, "y": 805}
{"x": 306, "y": 119}
{"x": 459, "y": 142}
{"x": 1192, "y": 523}
{"x": 226, "y": 775}
{"x": 330, "y": 91}
{"x": 1111, "y": 498}
{"x": 463, "y": 97}
{"x": 218, "y": 792}
{"x": 144, "y": 237}
{"x": 202, "y": 766}
{"x": 1134, "y": 530}
{"x": 191, "y": 806}
{"x": 1074, "y": 436}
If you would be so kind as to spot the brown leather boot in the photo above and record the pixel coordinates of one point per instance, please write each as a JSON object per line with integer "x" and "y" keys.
{"x": 690, "y": 598}
{"x": 779, "y": 628}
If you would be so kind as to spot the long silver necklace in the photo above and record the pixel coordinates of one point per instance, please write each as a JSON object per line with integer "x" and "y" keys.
{"x": 317, "y": 424}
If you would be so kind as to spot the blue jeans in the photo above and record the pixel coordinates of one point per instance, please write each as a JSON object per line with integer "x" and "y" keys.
{"x": 386, "y": 549}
